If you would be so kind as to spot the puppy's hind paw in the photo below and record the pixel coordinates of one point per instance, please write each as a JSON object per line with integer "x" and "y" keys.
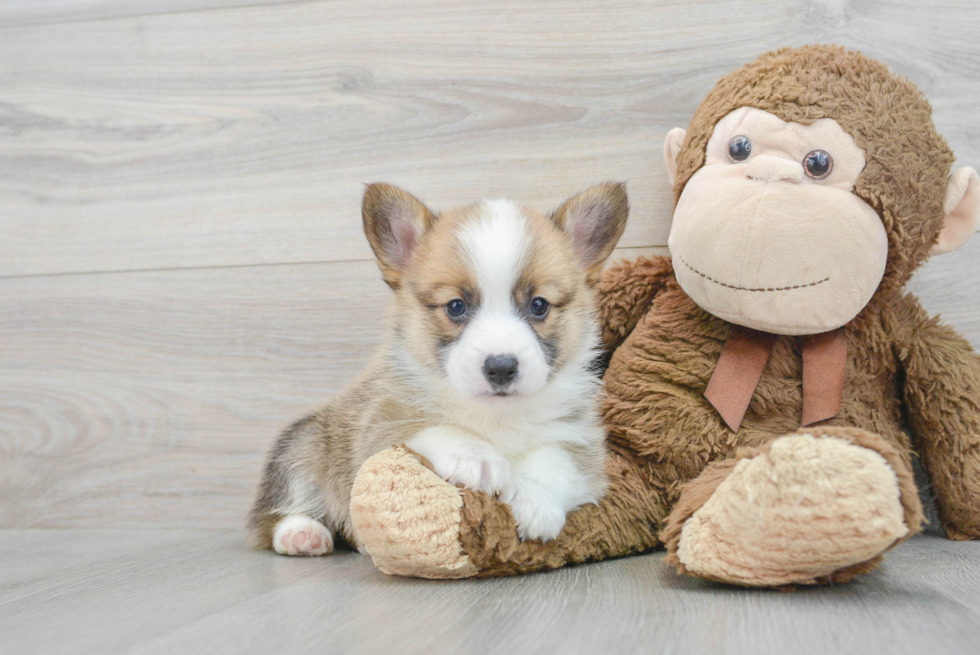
{"x": 300, "y": 535}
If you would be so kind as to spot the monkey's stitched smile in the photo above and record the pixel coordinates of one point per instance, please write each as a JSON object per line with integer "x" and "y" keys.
{"x": 731, "y": 286}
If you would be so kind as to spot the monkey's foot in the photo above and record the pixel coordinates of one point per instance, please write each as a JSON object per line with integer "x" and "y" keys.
{"x": 407, "y": 518}
{"x": 820, "y": 505}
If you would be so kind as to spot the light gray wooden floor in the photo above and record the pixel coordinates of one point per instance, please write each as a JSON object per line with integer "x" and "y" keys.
{"x": 80, "y": 591}
{"x": 182, "y": 273}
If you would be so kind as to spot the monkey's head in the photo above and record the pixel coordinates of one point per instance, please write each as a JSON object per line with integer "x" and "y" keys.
{"x": 808, "y": 181}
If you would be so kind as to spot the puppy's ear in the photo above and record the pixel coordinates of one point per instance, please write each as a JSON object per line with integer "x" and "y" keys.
{"x": 595, "y": 220}
{"x": 394, "y": 222}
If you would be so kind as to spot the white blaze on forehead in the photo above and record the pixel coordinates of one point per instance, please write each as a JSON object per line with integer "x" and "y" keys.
{"x": 496, "y": 244}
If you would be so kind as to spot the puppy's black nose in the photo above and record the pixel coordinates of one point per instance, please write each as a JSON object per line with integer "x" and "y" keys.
{"x": 500, "y": 370}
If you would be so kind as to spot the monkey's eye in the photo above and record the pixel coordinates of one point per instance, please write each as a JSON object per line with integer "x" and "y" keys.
{"x": 456, "y": 308}
{"x": 538, "y": 307}
{"x": 739, "y": 148}
{"x": 818, "y": 164}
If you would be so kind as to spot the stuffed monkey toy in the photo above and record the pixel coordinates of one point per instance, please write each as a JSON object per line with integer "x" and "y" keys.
{"x": 769, "y": 381}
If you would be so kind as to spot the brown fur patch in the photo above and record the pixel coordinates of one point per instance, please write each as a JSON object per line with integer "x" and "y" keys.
{"x": 551, "y": 273}
{"x": 439, "y": 274}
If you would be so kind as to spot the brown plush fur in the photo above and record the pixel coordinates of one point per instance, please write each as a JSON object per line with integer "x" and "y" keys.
{"x": 904, "y": 371}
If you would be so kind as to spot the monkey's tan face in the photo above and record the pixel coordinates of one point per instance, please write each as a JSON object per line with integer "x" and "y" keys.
{"x": 768, "y": 233}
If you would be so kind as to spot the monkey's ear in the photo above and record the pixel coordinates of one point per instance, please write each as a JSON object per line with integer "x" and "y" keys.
{"x": 672, "y": 147}
{"x": 394, "y": 222}
{"x": 595, "y": 220}
{"x": 962, "y": 207}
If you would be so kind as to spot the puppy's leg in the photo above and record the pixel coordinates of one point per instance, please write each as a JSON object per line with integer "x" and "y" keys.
{"x": 291, "y": 511}
{"x": 462, "y": 459}
{"x": 545, "y": 486}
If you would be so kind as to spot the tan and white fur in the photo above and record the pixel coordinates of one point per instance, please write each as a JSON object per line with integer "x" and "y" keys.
{"x": 486, "y": 367}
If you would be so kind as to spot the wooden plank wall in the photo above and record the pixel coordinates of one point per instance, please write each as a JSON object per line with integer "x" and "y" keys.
{"x": 182, "y": 269}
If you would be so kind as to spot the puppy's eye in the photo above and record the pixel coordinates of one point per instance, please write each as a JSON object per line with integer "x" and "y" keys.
{"x": 538, "y": 307}
{"x": 456, "y": 308}
{"x": 739, "y": 148}
{"x": 818, "y": 164}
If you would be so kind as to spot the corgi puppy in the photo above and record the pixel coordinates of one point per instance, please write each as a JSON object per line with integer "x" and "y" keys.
{"x": 486, "y": 368}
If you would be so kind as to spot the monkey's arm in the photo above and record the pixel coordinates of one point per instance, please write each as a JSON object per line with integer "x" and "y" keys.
{"x": 942, "y": 396}
{"x": 626, "y": 290}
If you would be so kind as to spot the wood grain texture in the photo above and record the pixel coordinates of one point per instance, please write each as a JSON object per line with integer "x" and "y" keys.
{"x": 81, "y": 591}
{"x": 149, "y": 399}
{"x": 22, "y": 13}
{"x": 242, "y": 135}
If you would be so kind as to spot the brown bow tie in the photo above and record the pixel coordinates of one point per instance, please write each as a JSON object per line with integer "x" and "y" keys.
{"x": 744, "y": 357}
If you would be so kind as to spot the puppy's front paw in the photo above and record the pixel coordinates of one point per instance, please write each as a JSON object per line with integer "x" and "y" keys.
{"x": 476, "y": 466}
{"x": 301, "y": 535}
{"x": 470, "y": 462}
{"x": 537, "y": 516}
